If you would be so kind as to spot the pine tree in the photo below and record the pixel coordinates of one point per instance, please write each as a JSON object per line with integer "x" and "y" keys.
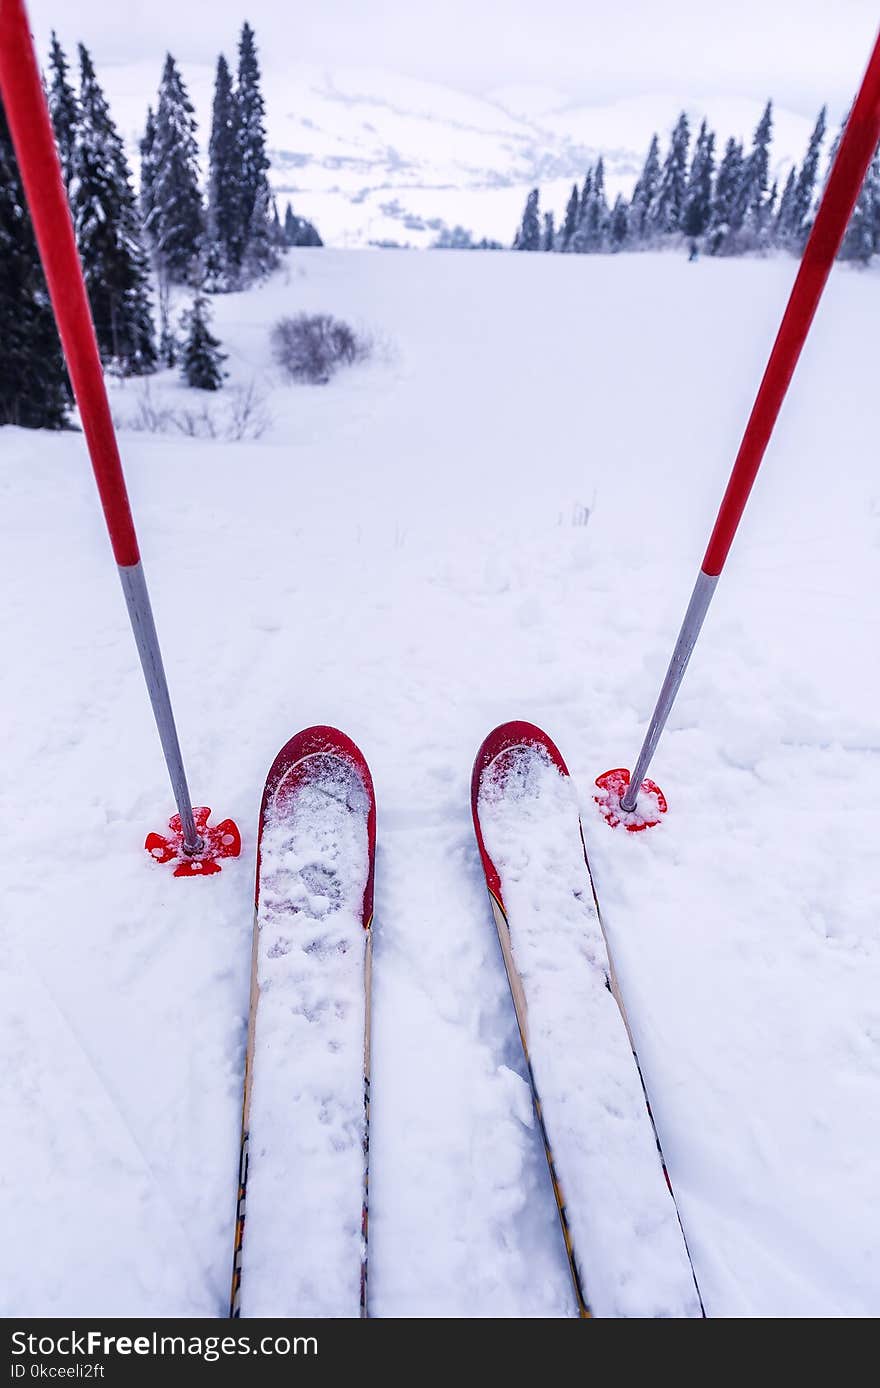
{"x": 594, "y": 212}
{"x": 618, "y": 224}
{"x": 33, "y": 382}
{"x": 261, "y": 250}
{"x": 665, "y": 212}
{"x": 168, "y": 345}
{"x": 577, "y": 244}
{"x": 748, "y": 220}
{"x": 784, "y": 211}
{"x": 585, "y": 195}
{"x": 63, "y": 109}
{"x": 107, "y": 227}
{"x": 528, "y": 238}
{"x": 226, "y": 234}
{"x": 548, "y": 240}
{"x": 277, "y": 229}
{"x": 698, "y": 197}
{"x": 644, "y": 193}
{"x": 258, "y": 253}
{"x": 569, "y": 226}
{"x": 759, "y": 159}
{"x": 298, "y": 231}
{"x": 793, "y": 231}
{"x": 147, "y": 147}
{"x": 859, "y": 241}
{"x": 201, "y": 360}
{"x": 174, "y": 222}
{"x": 724, "y": 194}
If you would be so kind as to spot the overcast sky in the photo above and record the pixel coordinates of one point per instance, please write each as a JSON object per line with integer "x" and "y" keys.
{"x": 801, "y": 52}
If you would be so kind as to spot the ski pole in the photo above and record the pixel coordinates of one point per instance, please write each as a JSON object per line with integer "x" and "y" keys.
{"x": 34, "y": 141}
{"x": 850, "y": 166}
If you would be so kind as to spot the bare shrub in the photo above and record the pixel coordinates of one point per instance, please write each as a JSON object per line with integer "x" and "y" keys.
{"x": 241, "y": 415}
{"x": 148, "y": 417}
{"x": 248, "y": 417}
{"x": 311, "y": 346}
{"x": 196, "y": 424}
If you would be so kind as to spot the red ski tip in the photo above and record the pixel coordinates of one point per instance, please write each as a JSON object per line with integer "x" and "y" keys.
{"x": 219, "y": 841}
{"x": 650, "y": 805}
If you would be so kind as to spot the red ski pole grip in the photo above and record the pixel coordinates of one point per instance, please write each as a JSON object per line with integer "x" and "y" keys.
{"x": 21, "y": 90}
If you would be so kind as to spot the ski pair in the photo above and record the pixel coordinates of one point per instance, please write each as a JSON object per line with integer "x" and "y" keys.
{"x": 311, "y": 978}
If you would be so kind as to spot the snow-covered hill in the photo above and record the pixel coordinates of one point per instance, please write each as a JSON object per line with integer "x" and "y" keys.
{"x": 500, "y": 516}
{"x": 373, "y": 156}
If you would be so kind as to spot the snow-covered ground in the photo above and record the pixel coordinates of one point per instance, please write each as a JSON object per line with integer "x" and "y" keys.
{"x": 500, "y": 516}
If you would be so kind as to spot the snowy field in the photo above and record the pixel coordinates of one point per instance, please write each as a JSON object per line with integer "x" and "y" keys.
{"x": 500, "y": 516}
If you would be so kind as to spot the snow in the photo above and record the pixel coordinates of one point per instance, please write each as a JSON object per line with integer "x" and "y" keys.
{"x": 632, "y": 1259}
{"x": 500, "y": 516}
{"x": 306, "y": 1121}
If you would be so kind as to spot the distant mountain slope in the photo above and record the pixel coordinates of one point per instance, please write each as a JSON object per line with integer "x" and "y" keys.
{"x": 375, "y": 156}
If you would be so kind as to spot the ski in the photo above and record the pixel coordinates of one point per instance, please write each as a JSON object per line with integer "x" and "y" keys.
{"x": 303, "y": 1191}
{"x": 623, "y": 1237}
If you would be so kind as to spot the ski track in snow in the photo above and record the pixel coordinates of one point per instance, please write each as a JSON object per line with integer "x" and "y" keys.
{"x": 500, "y": 517}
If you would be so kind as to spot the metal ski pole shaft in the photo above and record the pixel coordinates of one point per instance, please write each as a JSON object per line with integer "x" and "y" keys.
{"x": 32, "y": 136}
{"x": 857, "y": 148}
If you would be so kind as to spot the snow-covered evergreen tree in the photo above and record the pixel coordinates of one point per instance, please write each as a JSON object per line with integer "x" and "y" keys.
{"x": 259, "y": 255}
{"x": 793, "y": 230}
{"x": 585, "y": 195}
{"x": 33, "y": 382}
{"x": 107, "y": 227}
{"x": 784, "y": 211}
{"x": 577, "y": 243}
{"x": 548, "y": 239}
{"x": 277, "y": 229}
{"x": 724, "y": 194}
{"x": 201, "y": 361}
{"x": 63, "y": 109}
{"x": 174, "y": 220}
{"x": 528, "y": 237}
{"x": 261, "y": 249}
{"x": 298, "y": 231}
{"x": 759, "y": 159}
{"x": 618, "y": 224}
{"x": 569, "y": 225}
{"x": 226, "y": 230}
{"x": 147, "y": 147}
{"x": 698, "y": 196}
{"x": 168, "y": 345}
{"x": 644, "y": 193}
{"x": 594, "y": 212}
{"x": 749, "y": 221}
{"x": 665, "y": 212}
